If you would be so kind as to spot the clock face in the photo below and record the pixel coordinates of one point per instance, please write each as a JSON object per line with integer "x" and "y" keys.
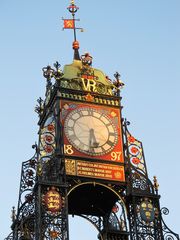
{"x": 90, "y": 131}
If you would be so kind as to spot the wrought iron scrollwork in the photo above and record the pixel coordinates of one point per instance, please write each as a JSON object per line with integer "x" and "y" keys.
{"x": 167, "y": 233}
{"x": 28, "y": 179}
{"x": 140, "y": 183}
{"x": 23, "y": 223}
{"x": 118, "y": 219}
{"x": 96, "y": 221}
{"x": 135, "y": 160}
{"x": 144, "y": 219}
{"x": 9, "y": 237}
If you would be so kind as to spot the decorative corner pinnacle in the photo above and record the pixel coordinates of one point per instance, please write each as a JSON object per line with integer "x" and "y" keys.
{"x": 156, "y": 185}
{"x": 117, "y": 82}
{"x": 57, "y": 72}
{"x": 39, "y": 108}
{"x": 48, "y": 72}
{"x": 13, "y": 214}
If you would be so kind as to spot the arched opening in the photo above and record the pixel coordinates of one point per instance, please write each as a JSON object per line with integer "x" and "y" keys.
{"x": 94, "y": 209}
{"x": 91, "y": 198}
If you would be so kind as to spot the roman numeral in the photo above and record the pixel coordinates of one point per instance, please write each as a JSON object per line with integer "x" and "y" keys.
{"x": 102, "y": 149}
{"x": 81, "y": 145}
{"x": 69, "y": 129}
{"x": 90, "y": 111}
{"x": 112, "y": 134}
{"x": 110, "y": 143}
{"x": 73, "y": 137}
{"x": 80, "y": 113}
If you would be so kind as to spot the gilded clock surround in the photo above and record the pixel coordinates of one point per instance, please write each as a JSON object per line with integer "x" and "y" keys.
{"x": 92, "y": 131}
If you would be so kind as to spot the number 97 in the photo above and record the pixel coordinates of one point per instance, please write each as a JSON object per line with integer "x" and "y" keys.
{"x": 115, "y": 156}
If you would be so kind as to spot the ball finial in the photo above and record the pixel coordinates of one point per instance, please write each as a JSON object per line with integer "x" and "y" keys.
{"x": 75, "y": 45}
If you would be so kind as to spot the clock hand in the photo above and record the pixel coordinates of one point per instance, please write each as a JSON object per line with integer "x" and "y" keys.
{"x": 92, "y": 140}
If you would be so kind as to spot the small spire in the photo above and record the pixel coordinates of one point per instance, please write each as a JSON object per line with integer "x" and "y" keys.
{"x": 71, "y": 24}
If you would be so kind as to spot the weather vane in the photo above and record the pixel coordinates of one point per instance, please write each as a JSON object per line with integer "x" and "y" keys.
{"x": 71, "y": 23}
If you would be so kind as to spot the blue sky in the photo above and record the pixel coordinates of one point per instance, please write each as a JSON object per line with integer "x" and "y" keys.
{"x": 138, "y": 38}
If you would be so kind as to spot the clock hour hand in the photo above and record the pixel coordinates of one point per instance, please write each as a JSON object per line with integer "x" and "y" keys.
{"x": 92, "y": 140}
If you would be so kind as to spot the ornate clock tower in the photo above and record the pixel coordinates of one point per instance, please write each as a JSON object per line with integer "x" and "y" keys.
{"x": 86, "y": 162}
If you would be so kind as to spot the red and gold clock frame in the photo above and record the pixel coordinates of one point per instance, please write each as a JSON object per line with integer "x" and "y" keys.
{"x": 92, "y": 131}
